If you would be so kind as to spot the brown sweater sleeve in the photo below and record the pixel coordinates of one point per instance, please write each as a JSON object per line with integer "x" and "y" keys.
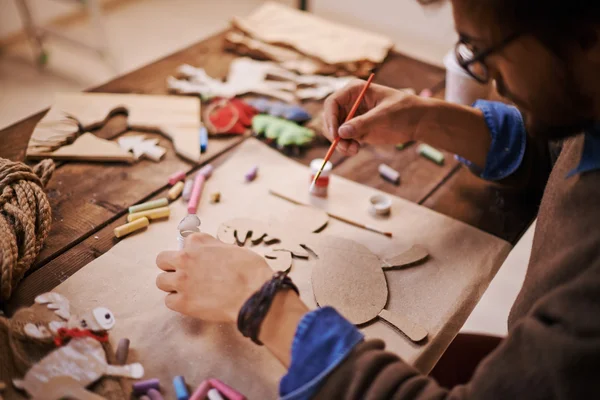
{"x": 551, "y": 353}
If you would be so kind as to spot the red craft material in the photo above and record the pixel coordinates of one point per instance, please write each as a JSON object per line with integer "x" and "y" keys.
{"x": 64, "y": 334}
{"x": 229, "y": 116}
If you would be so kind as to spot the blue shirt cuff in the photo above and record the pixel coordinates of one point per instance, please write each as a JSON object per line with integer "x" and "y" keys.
{"x": 509, "y": 140}
{"x": 323, "y": 340}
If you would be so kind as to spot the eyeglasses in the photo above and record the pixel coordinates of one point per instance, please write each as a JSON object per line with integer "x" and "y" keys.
{"x": 472, "y": 61}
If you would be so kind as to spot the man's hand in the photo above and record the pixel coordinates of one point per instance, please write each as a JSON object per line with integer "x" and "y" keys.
{"x": 210, "y": 280}
{"x": 385, "y": 116}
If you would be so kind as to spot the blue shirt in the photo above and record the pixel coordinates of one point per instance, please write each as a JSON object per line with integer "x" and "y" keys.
{"x": 324, "y": 338}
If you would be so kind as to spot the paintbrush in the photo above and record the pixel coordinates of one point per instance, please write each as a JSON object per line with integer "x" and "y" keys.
{"x": 337, "y": 139}
{"x": 348, "y": 221}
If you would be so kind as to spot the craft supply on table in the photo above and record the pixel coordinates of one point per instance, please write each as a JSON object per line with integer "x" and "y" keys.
{"x": 291, "y": 112}
{"x": 156, "y": 213}
{"x": 142, "y": 387}
{"x": 58, "y": 134}
{"x": 389, "y": 174}
{"x": 203, "y": 139}
{"x": 145, "y": 397}
{"x": 402, "y": 146}
{"x": 215, "y": 197}
{"x": 226, "y": 390}
{"x": 187, "y": 189}
{"x": 228, "y": 116}
{"x": 251, "y": 174}
{"x": 154, "y": 394}
{"x": 24, "y": 220}
{"x": 318, "y": 187}
{"x": 188, "y": 225}
{"x": 176, "y": 177}
{"x": 142, "y": 147}
{"x": 380, "y": 205}
{"x": 181, "y": 391}
{"x": 283, "y": 132}
{"x": 213, "y": 394}
{"x": 431, "y": 153}
{"x": 130, "y": 227}
{"x": 122, "y": 351}
{"x": 206, "y": 171}
{"x": 149, "y": 205}
{"x": 192, "y": 206}
{"x": 175, "y": 191}
{"x": 201, "y": 391}
{"x": 337, "y": 139}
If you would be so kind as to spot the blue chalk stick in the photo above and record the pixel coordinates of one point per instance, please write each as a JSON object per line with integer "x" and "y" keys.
{"x": 203, "y": 140}
{"x": 181, "y": 391}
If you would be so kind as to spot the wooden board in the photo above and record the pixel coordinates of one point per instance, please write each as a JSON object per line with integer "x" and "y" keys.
{"x": 177, "y": 118}
{"x": 437, "y": 295}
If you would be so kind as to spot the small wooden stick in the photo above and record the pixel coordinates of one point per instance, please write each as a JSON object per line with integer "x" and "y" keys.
{"x": 337, "y": 139}
{"x": 348, "y": 221}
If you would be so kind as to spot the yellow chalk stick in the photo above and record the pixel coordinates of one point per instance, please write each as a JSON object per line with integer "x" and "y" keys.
{"x": 130, "y": 227}
{"x": 175, "y": 191}
{"x": 150, "y": 214}
{"x": 149, "y": 205}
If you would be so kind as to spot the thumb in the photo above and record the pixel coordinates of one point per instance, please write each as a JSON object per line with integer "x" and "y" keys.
{"x": 358, "y": 127}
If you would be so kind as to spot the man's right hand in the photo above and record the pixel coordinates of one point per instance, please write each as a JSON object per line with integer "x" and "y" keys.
{"x": 385, "y": 116}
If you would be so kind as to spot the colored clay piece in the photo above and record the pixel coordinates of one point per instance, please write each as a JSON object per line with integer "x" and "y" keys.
{"x": 142, "y": 147}
{"x": 431, "y": 153}
{"x": 176, "y": 177}
{"x": 175, "y": 117}
{"x": 156, "y": 213}
{"x": 122, "y": 351}
{"x": 228, "y": 116}
{"x": 389, "y": 174}
{"x": 251, "y": 174}
{"x": 203, "y": 140}
{"x": 181, "y": 391}
{"x": 142, "y": 387}
{"x": 130, "y": 227}
{"x": 202, "y": 391}
{"x": 149, "y": 205}
{"x": 279, "y": 109}
{"x": 175, "y": 191}
{"x": 349, "y": 277}
{"x": 213, "y": 394}
{"x": 285, "y": 133}
{"x": 215, "y": 197}
{"x": 226, "y": 390}
{"x": 81, "y": 360}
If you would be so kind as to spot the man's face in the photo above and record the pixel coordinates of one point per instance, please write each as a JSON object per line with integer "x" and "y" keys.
{"x": 543, "y": 86}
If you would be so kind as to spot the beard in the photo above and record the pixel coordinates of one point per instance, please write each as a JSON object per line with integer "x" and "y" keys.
{"x": 553, "y": 113}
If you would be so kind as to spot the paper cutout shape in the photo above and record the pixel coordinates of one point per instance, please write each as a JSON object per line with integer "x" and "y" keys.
{"x": 250, "y": 76}
{"x": 67, "y": 370}
{"x": 142, "y": 147}
{"x": 177, "y": 118}
{"x": 283, "y": 132}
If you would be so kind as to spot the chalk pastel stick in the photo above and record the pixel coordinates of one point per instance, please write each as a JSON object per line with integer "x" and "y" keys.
{"x": 202, "y": 391}
{"x": 213, "y": 394}
{"x": 389, "y": 173}
{"x": 175, "y": 191}
{"x": 251, "y": 174}
{"x": 203, "y": 140}
{"x": 181, "y": 391}
{"x": 431, "y": 153}
{"x": 207, "y": 171}
{"x": 196, "y": 193}
{"x": 142, "y": 387}
{"x": 176, "y": 177}
{"x": 149, "y": 205}
{"x": 187, "y": 189}
{"x": 131, "y": 227}
{"x": 122, "y": 351}
{"x": 156, "y": 213}
{"x": 227, "y": 390}
{"x": 154, "y": 394}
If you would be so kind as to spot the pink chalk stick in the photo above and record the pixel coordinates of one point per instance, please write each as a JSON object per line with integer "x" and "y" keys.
{"x": 202, "y": 390}
{"x": 196, "y": 192}
{"x": 176, "y": 177}
{"x": 227, "y": 390}
{"x": 207, "y": 171}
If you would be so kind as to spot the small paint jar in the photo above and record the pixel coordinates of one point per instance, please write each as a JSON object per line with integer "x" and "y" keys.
{"x": 321, "y": 185}
{"x": 188, "y": 225}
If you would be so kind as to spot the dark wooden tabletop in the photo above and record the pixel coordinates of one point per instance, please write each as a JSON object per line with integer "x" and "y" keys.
{"x": 89, "y": 199}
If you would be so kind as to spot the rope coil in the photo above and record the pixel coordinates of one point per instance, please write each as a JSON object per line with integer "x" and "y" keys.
{"x": 25, "y": 218}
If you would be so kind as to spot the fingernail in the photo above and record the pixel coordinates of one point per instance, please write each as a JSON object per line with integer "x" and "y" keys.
{"x": 346, "y": 131}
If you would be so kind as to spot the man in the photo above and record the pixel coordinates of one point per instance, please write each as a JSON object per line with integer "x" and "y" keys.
{"x": 543, "y": 56}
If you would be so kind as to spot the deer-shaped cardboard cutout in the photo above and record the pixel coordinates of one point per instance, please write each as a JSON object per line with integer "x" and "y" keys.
{"x": 68, "y": 370}
{"x": 346, "y": 275}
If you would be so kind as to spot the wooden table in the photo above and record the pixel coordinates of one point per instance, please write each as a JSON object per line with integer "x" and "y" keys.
{"x": 89, "y": 200}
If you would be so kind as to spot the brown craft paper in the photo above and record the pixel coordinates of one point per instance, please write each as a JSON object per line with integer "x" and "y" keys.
{"x": 437, "y": 295}
{"x": 178, "y": 118}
